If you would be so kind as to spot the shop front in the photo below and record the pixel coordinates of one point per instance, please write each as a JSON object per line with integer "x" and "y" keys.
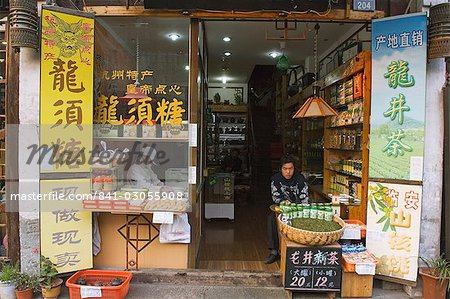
{"x": 163, "y": 155}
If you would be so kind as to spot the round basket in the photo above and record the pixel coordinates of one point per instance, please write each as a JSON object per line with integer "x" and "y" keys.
{"x": 307, "y": 237}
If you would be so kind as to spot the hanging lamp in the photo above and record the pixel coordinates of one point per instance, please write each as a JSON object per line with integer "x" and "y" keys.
{"x": 315, "y": 106}
{"x": 135, "y": 92}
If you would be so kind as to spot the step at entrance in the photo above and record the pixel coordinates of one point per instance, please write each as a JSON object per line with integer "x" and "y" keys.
{"x": 209, "y": 277}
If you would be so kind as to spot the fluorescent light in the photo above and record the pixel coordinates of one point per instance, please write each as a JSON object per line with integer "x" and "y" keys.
{"x": 274, "y": 54}
{"x": 187, "y": 68}
{"x": 227, "y": 39}
{"x": 224, "y": 80}
{"x": 227, "y": 53}
{"x": 174, "y": 36}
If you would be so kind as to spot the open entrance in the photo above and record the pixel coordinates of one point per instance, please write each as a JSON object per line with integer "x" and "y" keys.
{"x": 259, "y": 74}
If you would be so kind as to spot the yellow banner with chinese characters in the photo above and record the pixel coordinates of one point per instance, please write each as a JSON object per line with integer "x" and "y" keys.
{"x": 66, "y": 229}
{"x": 66, "y": 97}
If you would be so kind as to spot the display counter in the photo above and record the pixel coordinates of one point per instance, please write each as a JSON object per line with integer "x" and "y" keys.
{"x": 116, "y": 252}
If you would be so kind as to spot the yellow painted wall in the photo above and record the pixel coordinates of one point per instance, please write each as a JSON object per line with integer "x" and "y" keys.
{"x": 156, "y": 255}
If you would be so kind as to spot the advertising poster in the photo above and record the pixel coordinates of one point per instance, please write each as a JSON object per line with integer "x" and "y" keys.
{"x": 66, "y": 98}
{"x": 66, "y": 229}
{"x": 393, "y": 228}
{"x": 399, "y": 54}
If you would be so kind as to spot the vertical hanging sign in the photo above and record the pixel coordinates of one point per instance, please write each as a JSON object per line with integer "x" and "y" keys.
{"x": 66, "y": 230}
{"x": 66, "y": 97}
{"x": 393, "y": 228}
{"x": 399, "y": 53}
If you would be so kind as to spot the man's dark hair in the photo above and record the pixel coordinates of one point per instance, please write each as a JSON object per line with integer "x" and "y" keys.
{"x": 286, "y": 159}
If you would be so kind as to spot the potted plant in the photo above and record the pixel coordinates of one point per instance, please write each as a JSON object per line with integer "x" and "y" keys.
{"x": 49, "y": 283}
{"x": 435, "y": 277}
{"x": 25, "y": 286}
{"x": 8, "y": 279}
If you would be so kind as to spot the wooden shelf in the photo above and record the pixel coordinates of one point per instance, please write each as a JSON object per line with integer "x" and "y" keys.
{"x": 228, "y": 108}
{"x": 346, "y": 126}
{"x": 342, "y": 149}
{"x": 359, "y": 64}
{"x": 344, "y": 173}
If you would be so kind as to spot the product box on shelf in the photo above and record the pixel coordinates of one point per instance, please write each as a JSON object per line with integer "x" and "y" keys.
{"x": 148, "y": 130}
{"x": 106, "y": 130}
{"x": 106, "y": 179}
{"x": 129, "y": 129}
{"x": 176, "y": 131}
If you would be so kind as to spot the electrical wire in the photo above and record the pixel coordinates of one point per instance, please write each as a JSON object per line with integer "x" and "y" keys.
{"x": 74, "y": 5}
{"x": 278, "y": 11}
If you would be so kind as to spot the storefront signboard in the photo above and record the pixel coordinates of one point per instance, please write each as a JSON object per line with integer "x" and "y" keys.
{"x": 313, "y": 268}
{"x": 66, "y": 95}
{"x": 399, "y": 55}
{"x": 393, "y": 228}
{"x": 66, "y": 229}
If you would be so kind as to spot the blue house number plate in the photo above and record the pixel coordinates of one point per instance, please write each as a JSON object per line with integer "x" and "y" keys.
{"x": 364, "y": 5}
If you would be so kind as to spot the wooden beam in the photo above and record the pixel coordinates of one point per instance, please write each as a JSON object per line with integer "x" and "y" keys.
{"x": 12, "y": 145}
{"x": 335, "y": 14}
{"x": 194, "y": 216}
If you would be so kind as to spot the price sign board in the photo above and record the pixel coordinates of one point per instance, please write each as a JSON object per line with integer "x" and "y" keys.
{"x": 364, "y": 5}
{"x": 313, "y": 268}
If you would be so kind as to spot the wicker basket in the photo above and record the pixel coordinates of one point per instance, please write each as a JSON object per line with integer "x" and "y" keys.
{"x": 306, "y": 237}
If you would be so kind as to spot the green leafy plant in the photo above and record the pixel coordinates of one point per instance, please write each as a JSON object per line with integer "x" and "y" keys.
{"x": 48, "y": 273}
{"x": 26, "y": 281}
{"x": 9, "y": 272}
{"x": 439, "y": 268}
{"x": 381, "y": 202}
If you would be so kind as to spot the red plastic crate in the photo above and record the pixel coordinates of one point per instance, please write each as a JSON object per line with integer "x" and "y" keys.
{"x": 117, "y": 292}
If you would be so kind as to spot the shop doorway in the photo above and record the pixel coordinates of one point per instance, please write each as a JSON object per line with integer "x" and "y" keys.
{"x": 253, "y": 68}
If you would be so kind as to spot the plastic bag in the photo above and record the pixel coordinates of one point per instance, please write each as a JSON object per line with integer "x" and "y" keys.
{"x": 177, "y": 232}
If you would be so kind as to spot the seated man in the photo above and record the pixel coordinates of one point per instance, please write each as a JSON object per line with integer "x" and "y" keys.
{"x": 287, "y": 184}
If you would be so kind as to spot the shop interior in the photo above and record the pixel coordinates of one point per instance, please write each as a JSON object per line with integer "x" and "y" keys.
{"x": 259, "y": 74}
{"x": 253, "y": 77}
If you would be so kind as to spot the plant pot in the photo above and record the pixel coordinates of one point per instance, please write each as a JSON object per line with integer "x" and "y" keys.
{"x": 54, "y": 292}
{"x": 432, "y": 287}
{"x": 7, "y": 289}
{"x": 25, "y": 294}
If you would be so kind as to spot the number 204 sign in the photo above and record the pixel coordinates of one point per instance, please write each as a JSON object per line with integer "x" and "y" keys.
{"x": 313, "y": 268}
{"x": 364, "y": 5}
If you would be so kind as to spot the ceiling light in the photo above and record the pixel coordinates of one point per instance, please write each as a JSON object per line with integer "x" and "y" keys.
{"x": 274, "y": 54}
{"x": 187, "y": 67}
{"x": 174, "y": 36}
{"x": 227, "y": 39}
{"x": 4, "y": 43}
{"x": 224, "y": 80}
{"x": 228, "y": 53}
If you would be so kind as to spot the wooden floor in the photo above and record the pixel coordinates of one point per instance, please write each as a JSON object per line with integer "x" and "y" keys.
{"x": 238, "y": 245}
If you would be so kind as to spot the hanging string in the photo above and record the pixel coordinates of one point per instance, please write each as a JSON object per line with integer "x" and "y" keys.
{"x": 315, "y": 58}
{"x": 137, "y": 83}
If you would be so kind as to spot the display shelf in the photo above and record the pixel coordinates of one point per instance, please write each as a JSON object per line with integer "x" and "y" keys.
{"x": 346, "y": 126}
{"x": 342, "y": 149}
{"x": 344, "y": 173}
{"x": 143, "y": 139}
{"x": 337, "y": 85}
{"x": 228, "y": 108}
{"x": 227, "y": 118}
